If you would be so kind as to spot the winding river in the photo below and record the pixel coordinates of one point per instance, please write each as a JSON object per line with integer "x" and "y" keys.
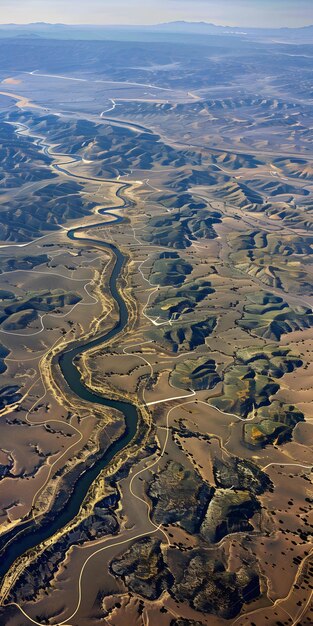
{"x": 18, "y": 542}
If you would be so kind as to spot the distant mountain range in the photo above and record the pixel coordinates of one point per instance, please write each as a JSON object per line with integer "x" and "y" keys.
{"x": 62, "y": 31}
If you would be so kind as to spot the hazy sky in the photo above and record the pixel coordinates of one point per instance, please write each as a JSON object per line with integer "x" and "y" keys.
{"x": 230, "y": 12}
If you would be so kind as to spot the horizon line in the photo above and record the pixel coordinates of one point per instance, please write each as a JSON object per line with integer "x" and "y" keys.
{"x": 151, "y": 24}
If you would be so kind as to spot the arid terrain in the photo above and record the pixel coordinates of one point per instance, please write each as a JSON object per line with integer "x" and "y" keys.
{"x": 156, "y": 332}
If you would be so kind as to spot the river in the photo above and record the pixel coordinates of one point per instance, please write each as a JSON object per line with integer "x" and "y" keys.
{"x": 34, "y": 532}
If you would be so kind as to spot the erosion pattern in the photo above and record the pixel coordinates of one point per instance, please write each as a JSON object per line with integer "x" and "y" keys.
{"x": 156, "y": 333}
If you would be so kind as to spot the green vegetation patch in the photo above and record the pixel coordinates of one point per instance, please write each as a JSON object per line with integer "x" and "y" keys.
{"x": 237, "y": 193}
{"x": 272, "y": 243}
{"x": 272, "y": 259}
{"x": 22, "y": 263}
{"x": 270, "y": 317}
{"x": 183, "y": 336}
{"x": 179, "y": 228}
{"x": 27, "y": 214}
{"x": 251, "y": 380}
{"x": 274, "y": 425}
{"x": 171, "y": 303}
{"x": 235, "y": 161}
{"x": 169, "y": 269}
{"x": 17, "y": 315}
{"x": 295, "y": 167}
{"x": 195, "y": 374}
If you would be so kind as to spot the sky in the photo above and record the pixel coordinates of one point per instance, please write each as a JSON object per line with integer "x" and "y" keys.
{"x": 260, "y": 13}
